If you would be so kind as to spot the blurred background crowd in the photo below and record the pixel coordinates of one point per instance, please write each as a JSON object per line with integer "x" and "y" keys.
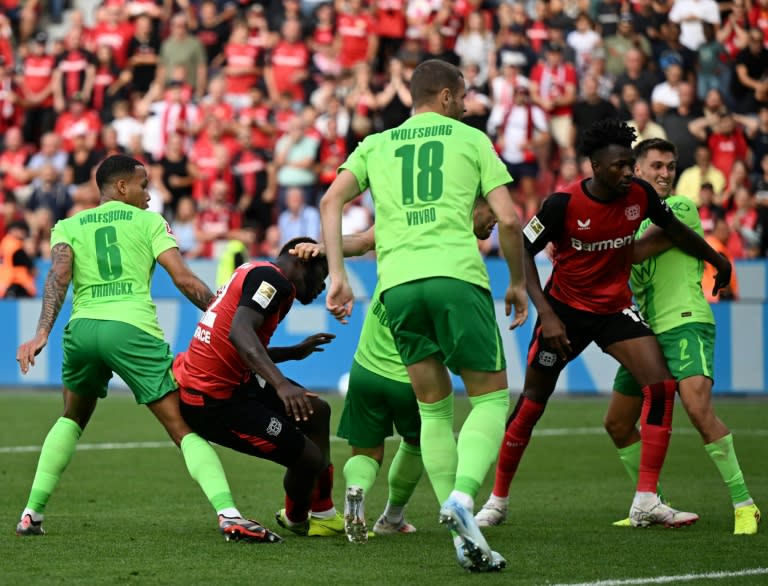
{"x": 242, "y": 110}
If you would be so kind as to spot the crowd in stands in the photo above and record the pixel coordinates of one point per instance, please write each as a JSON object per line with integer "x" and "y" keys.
{"x": 242, "y": 110}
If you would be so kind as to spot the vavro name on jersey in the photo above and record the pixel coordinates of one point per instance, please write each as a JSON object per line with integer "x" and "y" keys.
{"x": 425, "y": 216}
{"x": 601, "y": 244}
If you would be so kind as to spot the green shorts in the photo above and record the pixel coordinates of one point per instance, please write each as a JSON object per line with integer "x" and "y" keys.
{"x": 95, "y": 349}
{"x": 373, "y": 404}
{"x": 689, "y": 351}
{"x": 448, "y": 318}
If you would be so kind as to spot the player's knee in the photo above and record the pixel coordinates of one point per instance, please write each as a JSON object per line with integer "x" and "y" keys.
{"x": 321, "y": 410}
{"x": 618, "y": 429}
{"x": 311, "y": 460}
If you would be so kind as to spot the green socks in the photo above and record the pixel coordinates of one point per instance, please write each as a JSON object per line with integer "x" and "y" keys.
{"x": 205, "y": 467}
{"x": 55, "y": 455}
{"x": 361, "y": 471}
{"x": 480, "y": 439}
{"x": 438, "y": 446}
{"x": 724, "y": 456}
{"x": 404, "y": 474}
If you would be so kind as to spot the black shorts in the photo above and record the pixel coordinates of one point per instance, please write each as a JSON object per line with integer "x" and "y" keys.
{"x": 583, "y": 327}
{"x": 253, "y": 421}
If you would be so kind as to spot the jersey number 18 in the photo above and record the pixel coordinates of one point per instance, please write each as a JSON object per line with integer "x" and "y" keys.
{"x": 427, "y": 184}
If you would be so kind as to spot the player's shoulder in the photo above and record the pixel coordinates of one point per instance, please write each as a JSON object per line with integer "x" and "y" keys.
{"x": 266, "y": 271}
{"x": 642, "y": 184}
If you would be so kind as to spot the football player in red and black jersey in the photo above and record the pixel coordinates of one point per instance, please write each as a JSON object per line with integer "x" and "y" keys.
{"x": 591, "y": 225}
{"x": 233, "y": 394}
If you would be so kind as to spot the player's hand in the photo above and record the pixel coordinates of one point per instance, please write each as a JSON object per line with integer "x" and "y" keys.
{"x": 723, "y": 276}
{"x": 516, "y": 296}
{"x": 296, "y": 401}
{"x": 339, "y": 300}
{"x": 554, "y": 334}
{"x": 307, "y": 250}
{"x": 312, "y": 344}
{"x": 26, "y": 353}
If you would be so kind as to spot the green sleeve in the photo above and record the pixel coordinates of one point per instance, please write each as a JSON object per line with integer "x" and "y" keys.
{"x": 356, "y": 163}
{"x": 60, "y": 234}
{"x": 493, "y": 171}
{"x": 688, "y": 214}
{"x": 162, "y": 237}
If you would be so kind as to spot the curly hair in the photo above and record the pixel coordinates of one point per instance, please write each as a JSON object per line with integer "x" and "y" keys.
{"x": 604, "y": 133}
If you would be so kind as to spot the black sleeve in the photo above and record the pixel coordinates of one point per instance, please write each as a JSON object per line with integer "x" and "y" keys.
{"x": 264, "y": 290}
{"x": 547, "y": 224}
{"x": 21, "y": 259}
{"x": 658, "y": 210}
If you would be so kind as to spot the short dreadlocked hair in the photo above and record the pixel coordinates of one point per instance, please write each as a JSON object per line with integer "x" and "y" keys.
{"x": 604, "y": 133}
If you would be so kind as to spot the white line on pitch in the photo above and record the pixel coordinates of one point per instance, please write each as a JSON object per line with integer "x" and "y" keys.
{"x": 552, "y": 432}
{"x": 670, "y": 579}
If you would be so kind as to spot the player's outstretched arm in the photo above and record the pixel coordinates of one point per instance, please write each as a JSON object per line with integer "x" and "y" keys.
{"x": 351, "y": 244}
{"x": 242, "y": 333}
{"x": 552, "y": 328}
{"x": 344, "y": 188}
{"x": 691, "y": 243}
{"x": 652, "y": 243}
{"x": 511, "y": 242}
{"x": 185, "y": 280}
{"x": 56, "y": 285}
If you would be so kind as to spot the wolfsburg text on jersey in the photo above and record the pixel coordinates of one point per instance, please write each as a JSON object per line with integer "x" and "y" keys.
{"x": 106, "y": 217}
{"x": 420, "y": 132}
{"x": 602, "y": 244}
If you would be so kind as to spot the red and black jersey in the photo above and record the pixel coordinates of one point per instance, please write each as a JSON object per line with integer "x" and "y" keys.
{"x": 73, "y": 65}
{"x": 211, "y": 364}
{"x": 592, "y": 243}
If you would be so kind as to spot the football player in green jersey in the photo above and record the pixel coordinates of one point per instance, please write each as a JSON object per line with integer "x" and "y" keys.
{"x": 425, "y": 175}
{"x": 109, "y": 254}
{"x": 667, "y": 287}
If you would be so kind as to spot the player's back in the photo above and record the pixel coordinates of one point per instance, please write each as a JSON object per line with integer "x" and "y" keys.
{"x": 114, "y": 248}
{"x": 667, "y": 287}
{"x": 424, "y": 176}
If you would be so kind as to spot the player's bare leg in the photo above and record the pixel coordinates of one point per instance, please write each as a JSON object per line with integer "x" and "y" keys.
{"x": 696, "y": 396}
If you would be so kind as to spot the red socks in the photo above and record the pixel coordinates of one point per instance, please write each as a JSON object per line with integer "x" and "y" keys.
{"x": 516, "y": 439}
{"x": 655, "y": 431}
{"x": 322, "y": 499}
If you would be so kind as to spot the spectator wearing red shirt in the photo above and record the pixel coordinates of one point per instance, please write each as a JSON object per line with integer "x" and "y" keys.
{"x": 744, "y": 240}
{"x": 173, "y": 114}
{"x": 13, "y": 161}
{"x": 109, "y": 84}
{"x": 356, "y": 36}
{"x": 553, "y": 89}
{"x": 735, "y": 30}
{"x": 323, "y": 41}
{"x": 210, "y": 159}
{"x": 74, "y": 72}
{"x": 114, "y": 31}
{"x": 11, "y": 113}
{"x": 287, "y": 66}
{"x": 258, "y": 118}
{"x": 37, "y": 90}
{"x": 77, "y": 120}
{"x": 255, "y": 183}
{"x": 218, "y": 221}
{"x": 6, "y": 41}
{"x": 758, "y": 18}
{"x": 242, "y": 67}
{"x": 391, "y": 25}
{"x": 214, "y": 105}
{"x": 332, "y": 153}
{"x": 724, "y": 137}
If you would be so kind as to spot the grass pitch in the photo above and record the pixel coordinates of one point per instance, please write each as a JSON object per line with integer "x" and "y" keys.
{"x": 131, "y": 515}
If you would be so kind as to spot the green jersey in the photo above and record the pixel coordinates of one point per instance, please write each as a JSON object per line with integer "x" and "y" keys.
{"x": 668, "y": 286}
{"x": 424, "y": 177}
{"x": 114, "y": 248}
{"x": 376, "y": 350}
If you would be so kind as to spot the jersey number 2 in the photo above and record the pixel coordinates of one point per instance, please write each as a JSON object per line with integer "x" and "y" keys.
{"x": 428, "y": 183}
{"x": 108, "y": 253}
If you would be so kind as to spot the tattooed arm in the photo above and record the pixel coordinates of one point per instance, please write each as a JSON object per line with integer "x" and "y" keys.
{"x": 56, "y": 284}
{"x": 185, "y": 280}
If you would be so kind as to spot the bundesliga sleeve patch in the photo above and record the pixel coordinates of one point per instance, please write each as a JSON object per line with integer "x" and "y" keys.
{"x": 533, "y": 229}
{"x": 264, "y": 294}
